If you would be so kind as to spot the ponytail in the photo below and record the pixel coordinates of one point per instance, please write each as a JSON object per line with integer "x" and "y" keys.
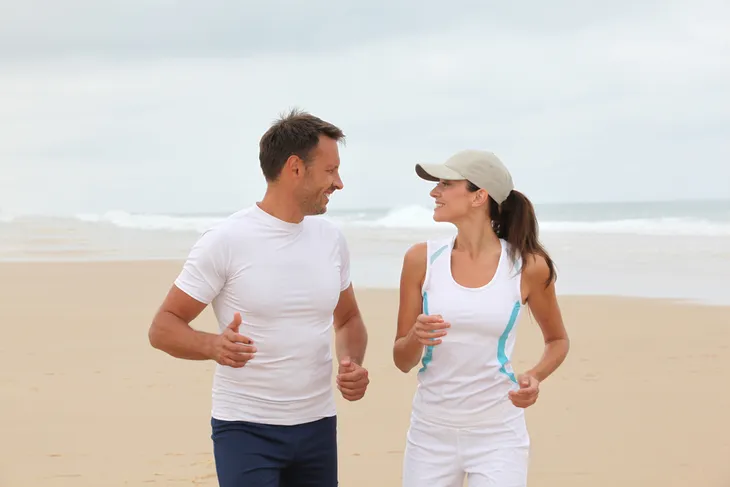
{"x": 515, "y": 222}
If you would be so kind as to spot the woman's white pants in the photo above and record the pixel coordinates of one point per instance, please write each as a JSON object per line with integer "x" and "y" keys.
{"x": 438, "y": 456}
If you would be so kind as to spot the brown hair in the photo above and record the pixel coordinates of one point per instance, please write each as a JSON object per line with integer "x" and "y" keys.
{"x": 515, "y": 221}
{"x": 296, "y": 133}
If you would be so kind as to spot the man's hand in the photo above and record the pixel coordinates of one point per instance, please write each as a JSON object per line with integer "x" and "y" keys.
{"x": 352, "y": 380}
{"x": 528, "y": 392}
{"x": 231, "y": 348}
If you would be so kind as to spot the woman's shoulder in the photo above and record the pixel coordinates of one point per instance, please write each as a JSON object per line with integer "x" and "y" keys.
{"x": 537, "y": 268}
{"x": 416, "y": 253}
{"x": 420, "y": 251}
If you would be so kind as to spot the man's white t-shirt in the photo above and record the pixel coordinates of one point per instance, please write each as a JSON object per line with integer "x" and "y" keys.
{"x": 285, "y": 279}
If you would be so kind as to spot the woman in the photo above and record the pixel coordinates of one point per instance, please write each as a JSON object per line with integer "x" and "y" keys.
{"x": 460, "y": 298}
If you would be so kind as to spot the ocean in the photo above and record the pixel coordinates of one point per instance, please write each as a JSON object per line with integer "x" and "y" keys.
{"x": 675, "y": 249}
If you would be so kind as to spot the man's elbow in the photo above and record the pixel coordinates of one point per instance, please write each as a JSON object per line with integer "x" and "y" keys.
{"x": 153, "y": 336}
{"x": 156, "y": 333}
{"x": 351, "y": 321}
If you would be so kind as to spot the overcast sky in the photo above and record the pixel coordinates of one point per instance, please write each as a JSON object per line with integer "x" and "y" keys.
{"x": 158, "y": 105}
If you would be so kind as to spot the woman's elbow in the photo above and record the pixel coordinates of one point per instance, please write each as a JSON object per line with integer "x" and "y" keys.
{"x": 402, "y": 366}
{"x": 403, "y": 360}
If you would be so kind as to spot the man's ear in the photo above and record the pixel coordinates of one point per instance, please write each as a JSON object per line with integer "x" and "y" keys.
{"x": 294, "y": 165}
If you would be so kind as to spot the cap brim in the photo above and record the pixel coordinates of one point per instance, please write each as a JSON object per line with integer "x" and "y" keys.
{"x": 436, "y": 172}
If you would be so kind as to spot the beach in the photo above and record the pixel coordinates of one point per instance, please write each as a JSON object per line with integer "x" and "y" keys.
{"x": 85, "y": 401}
{"x": 129, "y": 129}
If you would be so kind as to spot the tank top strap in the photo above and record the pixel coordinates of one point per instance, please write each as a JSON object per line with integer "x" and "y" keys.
{"x": 436, "y": 251}
{"x": 511, "y": 270}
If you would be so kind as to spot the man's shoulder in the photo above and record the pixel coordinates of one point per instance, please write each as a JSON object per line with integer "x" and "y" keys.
{"x": 322, "y": 225}
{"x": 246, "y": 214}
{"x": 225, "y": 229}
{"x": 233, "y": 222}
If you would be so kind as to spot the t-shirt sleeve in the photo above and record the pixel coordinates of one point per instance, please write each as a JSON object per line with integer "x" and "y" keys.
{"x": 204, "y": 271}
{"x": 344, "y": 250}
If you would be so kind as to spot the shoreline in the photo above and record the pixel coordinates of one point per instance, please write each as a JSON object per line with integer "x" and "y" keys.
{"x": 173, "y": 264}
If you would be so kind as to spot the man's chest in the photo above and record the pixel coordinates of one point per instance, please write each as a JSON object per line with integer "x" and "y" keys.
{"x": 284, "y": 283}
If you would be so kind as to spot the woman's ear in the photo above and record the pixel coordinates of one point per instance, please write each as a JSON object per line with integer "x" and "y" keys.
{"x": 480, "y": 197}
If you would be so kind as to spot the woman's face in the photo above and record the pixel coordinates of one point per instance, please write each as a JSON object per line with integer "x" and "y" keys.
{"x": 453, "y": 200}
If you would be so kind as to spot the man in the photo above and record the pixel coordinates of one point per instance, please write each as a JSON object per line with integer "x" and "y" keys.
{"x": 278, "y": 282}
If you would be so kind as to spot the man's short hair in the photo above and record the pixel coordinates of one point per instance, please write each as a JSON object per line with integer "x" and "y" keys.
{"x": 296, "y": 133}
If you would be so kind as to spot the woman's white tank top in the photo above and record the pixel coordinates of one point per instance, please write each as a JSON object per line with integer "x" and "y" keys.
{"x": 464, "y": 381}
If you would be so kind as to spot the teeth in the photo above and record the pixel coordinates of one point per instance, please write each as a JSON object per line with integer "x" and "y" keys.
{"x": 439, "y": 205}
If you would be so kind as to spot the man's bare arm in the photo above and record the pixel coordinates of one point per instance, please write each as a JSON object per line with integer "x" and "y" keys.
{"x": 171, "y": 332}
{"x": 351, "y": 337}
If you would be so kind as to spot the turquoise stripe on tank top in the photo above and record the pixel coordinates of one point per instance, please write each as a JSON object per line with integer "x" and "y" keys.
{"x": 501, "y": 355}
{"x": 428, "y": 356}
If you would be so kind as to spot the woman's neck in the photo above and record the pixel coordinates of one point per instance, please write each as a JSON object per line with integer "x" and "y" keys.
{"x": 476, "y": 237}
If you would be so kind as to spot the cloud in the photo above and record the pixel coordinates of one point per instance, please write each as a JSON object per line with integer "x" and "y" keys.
{"x": 164, "y": 28}
{"x": 581, "y": 103}
{"x": 228, "y": 28}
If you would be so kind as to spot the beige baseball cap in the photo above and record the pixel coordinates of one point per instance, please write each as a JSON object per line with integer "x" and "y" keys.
{"x": 482, "y": 168}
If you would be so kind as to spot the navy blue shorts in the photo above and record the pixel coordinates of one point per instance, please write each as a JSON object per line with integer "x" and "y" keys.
{"x": 251, "y": 454}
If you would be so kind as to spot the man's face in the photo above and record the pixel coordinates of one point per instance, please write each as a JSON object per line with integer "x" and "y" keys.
{"x": 321, "y": 177}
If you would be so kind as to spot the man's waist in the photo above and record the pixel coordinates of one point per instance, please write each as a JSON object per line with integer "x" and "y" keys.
{"x": 272, "y": 383}
{"x": 235, "y": 405}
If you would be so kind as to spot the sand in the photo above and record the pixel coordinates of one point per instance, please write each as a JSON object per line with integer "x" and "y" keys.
{"x": 641, "y": 401}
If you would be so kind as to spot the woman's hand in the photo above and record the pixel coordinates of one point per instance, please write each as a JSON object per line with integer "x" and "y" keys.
{"x": 429, "y": 329}
{"x": 528, "y": 392}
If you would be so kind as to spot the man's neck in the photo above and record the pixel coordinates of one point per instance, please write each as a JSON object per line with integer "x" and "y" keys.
{"x": 281, "y": 204}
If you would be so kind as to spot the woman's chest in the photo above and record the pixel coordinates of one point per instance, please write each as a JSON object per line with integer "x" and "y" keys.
{"x": 473, "y": 316}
